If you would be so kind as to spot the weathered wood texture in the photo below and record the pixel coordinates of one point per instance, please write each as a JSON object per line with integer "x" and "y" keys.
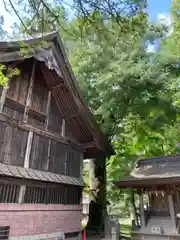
{"x": 61, "y": 159}
{"x": 58, "y": 155}
{"x": 43, "y": 113}
{"x": 39, "y": 153}
{"x": 18, "y": 88}
{"x": 69, "y": 131}
{"x": 12, "y": 145}
{"x": 13, "y": 109}
{"x": 40, "y": 93}
{"x": 55, "y": 118}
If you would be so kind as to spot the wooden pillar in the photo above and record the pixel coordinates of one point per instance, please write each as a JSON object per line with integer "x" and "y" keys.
{"x": 48, "y": 156}
{"x": 2, "y": 99}
{"x": 48, "y": 110}
{"x": 142, "y": 210}
{"x": 21, "y": 193}
{"x": 172, "y": 212}
{"x": 28, "y": 150}
{"x": 26, "y": 165}
{"x": 81, "y": 166}
{"x": 29, "y": 94}
{"x": 63, "y": 130}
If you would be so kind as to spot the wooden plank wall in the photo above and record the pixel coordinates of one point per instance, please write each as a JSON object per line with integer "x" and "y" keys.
{"x": 12, "y": 145}
{"x": 55, "y": 120}
{"x": 31, "y": 101}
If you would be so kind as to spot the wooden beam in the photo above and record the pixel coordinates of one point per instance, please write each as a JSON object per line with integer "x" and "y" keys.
{"x": 14, "y": 64}
{"x": 28, "y": 150}
{"x": 30, "y": 91}
{"x": 61, "y": 85}
{"x": 90, "y": 145}
{"x": 93, "y": 144}
{"x": 48, "y": 110}
{"x": 41, "y": 132}
{"x": 172, "y": 212}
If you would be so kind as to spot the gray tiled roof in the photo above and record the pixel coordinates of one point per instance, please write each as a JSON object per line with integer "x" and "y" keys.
{"x": 19, "y": 172}
{"x": 158, "y": 170}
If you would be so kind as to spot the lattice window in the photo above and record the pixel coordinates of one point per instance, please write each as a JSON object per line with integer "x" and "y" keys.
{"x": 35, "y": 195}
{"x": 9, "y": 193}
{"x": 64, "y": 194}
{"x": 39, "y": 194}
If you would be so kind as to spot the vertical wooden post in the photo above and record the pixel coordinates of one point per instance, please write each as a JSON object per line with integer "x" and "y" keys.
{"x": 63, "y": 129}
{"x": 142, "y": 210}
{"x": 26, "y": 165}
{"x": 30, "y": 90}
{"x": 28, "y": 150}
{"x": 48, "y": 155}
{"x": 48, "y": 110}
{"x": 65, "y": 162}
{"x": 81, "y": 166}
{"x": 21, "y": 193}
{"x": 172, "y": 212}
{"x": 2, "y": 99}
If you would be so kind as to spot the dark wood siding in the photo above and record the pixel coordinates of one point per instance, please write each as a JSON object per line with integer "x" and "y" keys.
{"x": 58, "y": 157}
{"x": 13, "y": 143}
{"x": 40, "y": 93}
{"x": 19, "y": 84}
{"x": 26, "y": 101}
{"x": 39, "y": 153}
{"x": 70, "y": 133}
{"x": 13, "y": 109}
{"x": 73, "y": 162}
{"x": 55, "y": 118}
{"x": 36, "y": 119}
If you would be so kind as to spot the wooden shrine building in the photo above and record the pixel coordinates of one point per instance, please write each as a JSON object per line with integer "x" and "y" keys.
{"x": 46, "y": 130}
{"x": 157, "y": 182}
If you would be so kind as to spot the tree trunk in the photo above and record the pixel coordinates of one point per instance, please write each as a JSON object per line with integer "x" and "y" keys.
{"x": 97, "y": 207}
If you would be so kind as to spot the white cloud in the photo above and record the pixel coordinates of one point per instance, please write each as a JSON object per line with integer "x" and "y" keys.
{"x": 151, "y": 48}
{"x": 165, "y": 18}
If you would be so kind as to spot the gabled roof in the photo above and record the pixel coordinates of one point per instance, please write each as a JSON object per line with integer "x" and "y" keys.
{"x": 157, "y": 171}
{"x": 55, "y": 58}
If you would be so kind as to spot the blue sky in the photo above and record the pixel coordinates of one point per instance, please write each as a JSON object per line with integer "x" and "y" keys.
{"x": 156, "y": 9}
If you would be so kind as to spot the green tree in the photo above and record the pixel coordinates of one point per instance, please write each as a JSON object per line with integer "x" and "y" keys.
{"x": 128, "y": 90}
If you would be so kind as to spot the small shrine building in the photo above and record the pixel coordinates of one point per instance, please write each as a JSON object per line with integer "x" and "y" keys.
{"x": 157, "y": 182}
